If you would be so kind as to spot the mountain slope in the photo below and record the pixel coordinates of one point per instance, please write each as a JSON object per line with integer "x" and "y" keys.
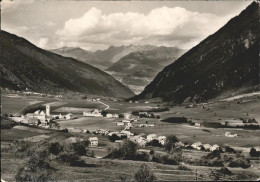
{"x": 101, "y": 59}
{"x": 137, "y": 69}
{"x": 81, "y": 55}
{"x": 25, "y": 65}
{"x": 224, "y": 62}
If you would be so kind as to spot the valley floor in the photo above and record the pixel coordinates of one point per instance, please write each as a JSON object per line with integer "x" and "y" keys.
{"x": 101, "y": 169}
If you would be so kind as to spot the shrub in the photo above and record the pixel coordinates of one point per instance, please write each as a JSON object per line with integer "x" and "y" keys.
{"x": 114, "y": 137}
{"x": 144, "y": 174}
{"x": 181, "y": 167}
{"x": 55, "y": 148}
{"x": 154, "y": 143}
{"x": 213, "y": 154}
{"x": 225, "y": 171}
{"x": 240, "y": 162}
{"x": 230, "y": 150}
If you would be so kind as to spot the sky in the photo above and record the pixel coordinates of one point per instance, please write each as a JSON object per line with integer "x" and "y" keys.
{"x": 96, "y": 25}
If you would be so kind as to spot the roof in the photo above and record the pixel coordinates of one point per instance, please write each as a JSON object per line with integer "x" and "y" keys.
{"x": 92, "y": 138}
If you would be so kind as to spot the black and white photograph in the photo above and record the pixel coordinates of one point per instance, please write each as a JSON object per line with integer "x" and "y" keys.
{"x": 129, "y": 91}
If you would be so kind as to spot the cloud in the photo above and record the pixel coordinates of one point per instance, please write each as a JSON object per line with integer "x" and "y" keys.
{"x": 43, "y": 42}
{"x": 175, "y": 26}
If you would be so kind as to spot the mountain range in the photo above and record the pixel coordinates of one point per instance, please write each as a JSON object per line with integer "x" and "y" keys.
{"x": 138, "y": 69}
{"x": 224, "y": 63}
{"x": 24, "y": 65}
{"x": 101, "y": 59}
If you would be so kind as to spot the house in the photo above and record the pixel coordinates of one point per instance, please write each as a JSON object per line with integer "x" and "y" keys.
{"x": 142, "y": 142}
{"x": 179, "y": 144}
{"x": 127, "y": 116}
{"x": 151, "y": 125}
{"x": 151, "y": 137}
{"x": 127, "y": 133}
{"x": 68, "y": 116}
{"x": 162, "y": 139}
{"x": 109, "y": 115}
{"x": 94, "y": 113}
{"x": 206, "y": 146}
{"x": 118, "y": 141}
{"x": 112, "y": 133}
{"x": 197, "y": 145}
{"x": 197, "y": 124}
{"x": 229, "y": 134}
{"x": 214, "y": 147}
{"x": 93, "y": 141}
{"x": 120, "y": 124}
{"x": 37, "y": 112}
{"x": 41, "y": 117}
{"x": 126, "y": 121}
{"x": 42, "y": 113}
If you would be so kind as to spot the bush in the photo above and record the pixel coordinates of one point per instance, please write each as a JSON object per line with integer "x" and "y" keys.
{"x": 213, "y": 154}
{"x": 167, "y": 159}
{"x": 230, "y": 150}
{"x": 225, "y": 171}
{"x": 114, "y": 137}
{"x": 144, "y": 174}
{"x": 55, "y": 148}
{"x": 181, "y": 167}
{"x": 154, "y": 143}
{"x": 240, "y": 162}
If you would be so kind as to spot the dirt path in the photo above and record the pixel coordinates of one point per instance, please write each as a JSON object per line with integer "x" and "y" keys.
{"x": 107, "y": 106}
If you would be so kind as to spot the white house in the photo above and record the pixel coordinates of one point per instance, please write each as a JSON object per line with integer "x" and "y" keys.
{"x": 162, "y": 139}
{"x": 128, "y": 133}
{"x": 197, "y": 124}
{"x": 197, "y": 145}
{"x": 93, "y": 141}
{"x": 214, "y": 147}
{"x": 94, "y": 113}
{"x": 206, "y": 146}
{"x": 229, "y": 134}
{"x": 68, "y": 116}
{"x": 120, "y": 124}
{"x": 109, "y": 115}
{"x": 151, "y": 137}
{"x": 127, "y": 116}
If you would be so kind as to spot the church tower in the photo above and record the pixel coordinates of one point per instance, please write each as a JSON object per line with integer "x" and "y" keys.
{"x": 48, "y": 110}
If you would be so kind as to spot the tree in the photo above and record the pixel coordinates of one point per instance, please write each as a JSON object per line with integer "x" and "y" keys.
{"x": 128, "y": 149}
{"x": 254, "y": 153}
{"x": 144, "y": 174}
{"x": 170, "y": 142}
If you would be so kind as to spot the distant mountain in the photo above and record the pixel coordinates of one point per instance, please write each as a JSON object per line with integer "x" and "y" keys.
{"x": 25, "y": 65}
{"x": 101, "y": 59}
{"x": 81, "y": 55}
{"x": 223, "y": 63}
{"x": 138, "y": 69}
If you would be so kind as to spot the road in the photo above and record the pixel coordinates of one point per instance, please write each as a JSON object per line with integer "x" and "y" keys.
{"x": 107, "y": 106}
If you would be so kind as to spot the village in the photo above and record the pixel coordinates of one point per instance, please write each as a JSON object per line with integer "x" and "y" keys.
{"x": 46, "y": 120}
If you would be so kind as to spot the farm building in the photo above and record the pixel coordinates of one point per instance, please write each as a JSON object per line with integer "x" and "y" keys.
{"x": 214, "y": 147}
{"x": 93, "y": 141}
{"x": 94, "y": 113}
{"x": 197, "y": 145}
{"x": 151, "y": 137}
{"x": 229, "y": 134}
{"x": 206, "y": 146}
{"x": 162, "y": 139}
